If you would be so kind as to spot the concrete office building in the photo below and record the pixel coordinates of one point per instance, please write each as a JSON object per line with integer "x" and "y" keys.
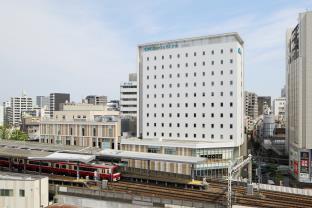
{"x": 191, "y": 102}
{"x": 96, "y": 100}
{"x": 14, "y": 109}
{"x": 56, "y": 99}
{"x": 283, "y": 92}
{"x": 23, "y": 190}
{"x": 251, "y": 109}
{"x": 251, "y": 104}
{"x": 279, "y": 108}
{"x": 262, "y": 100}
{"x": 128, "y": 96}
{"x": 6, "y": 112}
{"x": 299, "y": 97}
{"x": 82, "y": 124}
{"x": 42, "y": 101}
{"x": 113, "y": 105}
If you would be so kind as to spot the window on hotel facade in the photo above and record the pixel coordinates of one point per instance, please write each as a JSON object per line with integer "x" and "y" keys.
{"x": 83, "y": 131}
{"x": 147, "y": 58}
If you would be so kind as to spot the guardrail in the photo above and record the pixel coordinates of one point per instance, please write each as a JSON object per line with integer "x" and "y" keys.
{"x": 284, "y": 189}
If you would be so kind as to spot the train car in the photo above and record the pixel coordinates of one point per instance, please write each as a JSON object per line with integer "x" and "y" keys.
{"x": 102, "y": 171}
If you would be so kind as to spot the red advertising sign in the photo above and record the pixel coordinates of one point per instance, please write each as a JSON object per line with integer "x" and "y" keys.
{"x": 304, "y": 163}
{"x": 296, "y": 167}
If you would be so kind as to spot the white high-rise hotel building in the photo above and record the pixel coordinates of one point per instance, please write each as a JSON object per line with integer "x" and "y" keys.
{"x": 191, "y": 100}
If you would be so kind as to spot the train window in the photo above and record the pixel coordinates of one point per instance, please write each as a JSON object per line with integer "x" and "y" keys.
{"x": 64, "y": 166}
{"x": 57, "y": 166}
{"x": 34, "y": 162}
{"x": 3, "y": 158}
{"x": 87, "y": 169}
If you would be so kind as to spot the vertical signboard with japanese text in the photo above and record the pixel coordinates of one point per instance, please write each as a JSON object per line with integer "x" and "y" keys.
{"x": 304, "y": 164}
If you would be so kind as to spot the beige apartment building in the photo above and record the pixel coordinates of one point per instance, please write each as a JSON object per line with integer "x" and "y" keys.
{"x": 82, "y": 124}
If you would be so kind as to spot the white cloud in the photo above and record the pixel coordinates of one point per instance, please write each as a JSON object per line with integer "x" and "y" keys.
{"x": 43, "y": 49}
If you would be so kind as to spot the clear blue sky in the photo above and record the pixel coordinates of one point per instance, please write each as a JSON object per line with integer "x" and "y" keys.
{"x": 89, "y": 47}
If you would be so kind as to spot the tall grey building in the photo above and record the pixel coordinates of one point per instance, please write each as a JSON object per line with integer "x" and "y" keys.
{"x": 6, "y": 111}
{"x": 96, "y": 100}
{"x": 56, "y": 99}
{"x": 42, "y": 101}
{"x": 251, "y": 104}
{"x": 261, "y": 101}
{"x": 299, "y": 97}
{"x": 128, "y": 96}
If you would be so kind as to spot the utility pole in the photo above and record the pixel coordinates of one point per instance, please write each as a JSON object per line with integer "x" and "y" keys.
{"x": 234, "y": 169}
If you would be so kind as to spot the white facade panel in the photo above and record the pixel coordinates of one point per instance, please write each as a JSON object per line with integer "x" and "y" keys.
{"x": 192, "y": 89}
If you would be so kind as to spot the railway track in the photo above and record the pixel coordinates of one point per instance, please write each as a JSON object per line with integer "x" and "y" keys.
{"x": 281, "y": 196}
{"x": 213, "y": 197}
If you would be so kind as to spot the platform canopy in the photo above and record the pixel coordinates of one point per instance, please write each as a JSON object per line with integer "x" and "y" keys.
{"x": 150, "y": 156}
{"x": 57, "y": 156}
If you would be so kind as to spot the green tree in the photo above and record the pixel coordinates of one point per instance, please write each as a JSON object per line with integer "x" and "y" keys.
{"x": 4, "y": 132}
{"x": 18, "y": 135}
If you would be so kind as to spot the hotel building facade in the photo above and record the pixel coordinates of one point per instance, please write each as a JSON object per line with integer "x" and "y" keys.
{"x": 190, "y": 102}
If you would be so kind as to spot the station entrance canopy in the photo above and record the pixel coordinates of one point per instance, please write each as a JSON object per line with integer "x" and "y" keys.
{"x": 150, "y": 156}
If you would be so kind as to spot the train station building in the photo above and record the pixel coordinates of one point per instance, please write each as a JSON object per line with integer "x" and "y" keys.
{"x": 83, "y": 125}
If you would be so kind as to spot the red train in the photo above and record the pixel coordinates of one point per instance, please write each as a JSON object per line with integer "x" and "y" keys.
{"x": 102, "y": 171}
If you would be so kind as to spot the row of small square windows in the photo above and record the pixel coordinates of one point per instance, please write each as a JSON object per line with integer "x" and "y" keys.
{"x": 186, "y": 64}
{"x": 187, "y": 74}
{"x": 194, "y": 125}
{"x": 194, "y": 84}
{"x": 195, "y": 94}
{"x": 186, "y": 54}
{"x": 186, "y": 135}
{"x": 212, "y": 115}
{"x": 186, "y": 105}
